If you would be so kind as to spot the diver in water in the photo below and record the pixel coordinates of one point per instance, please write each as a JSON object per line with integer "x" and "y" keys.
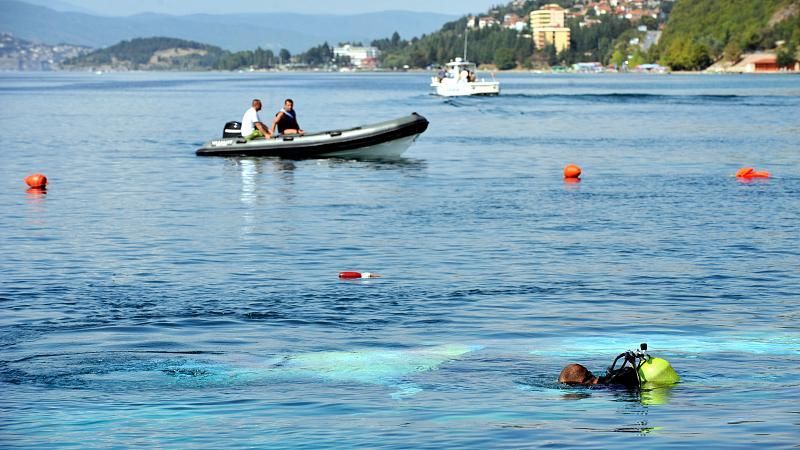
{"x": 638, "y": 370}
{"x": 578, "y": 375}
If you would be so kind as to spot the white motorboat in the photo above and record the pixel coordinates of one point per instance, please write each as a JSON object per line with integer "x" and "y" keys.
{"x": 459, "y": 78}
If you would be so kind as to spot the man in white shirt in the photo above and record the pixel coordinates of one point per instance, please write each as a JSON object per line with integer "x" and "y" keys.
{"x": 252, "y": 126}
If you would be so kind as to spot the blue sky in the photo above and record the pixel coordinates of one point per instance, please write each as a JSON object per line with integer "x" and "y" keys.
{"x": 180, "y": 7}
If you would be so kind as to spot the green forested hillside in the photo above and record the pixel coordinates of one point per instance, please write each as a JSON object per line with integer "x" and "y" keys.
{"x": 162, "y": 53}
{"x": 700, "y": 32}
{"x": 156, "y": 52}
{"x": 505, "y": 48}
{"x": 697, "y": 33}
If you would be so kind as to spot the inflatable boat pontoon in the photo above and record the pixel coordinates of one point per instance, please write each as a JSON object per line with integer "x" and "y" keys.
{"x": 376, "y": 141}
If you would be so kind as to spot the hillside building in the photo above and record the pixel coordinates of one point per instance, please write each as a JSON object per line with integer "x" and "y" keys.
{"x": 487, "y": 21}
{"x": 547, "y": 25}
{"x": 633, "y": 10}
{"x": 19, "y": 54}
{"x": 550, "y": 15}
{"x": 513, "y": 22}
{"x": 361, "y": 57}
{"x": 759, "y": 63}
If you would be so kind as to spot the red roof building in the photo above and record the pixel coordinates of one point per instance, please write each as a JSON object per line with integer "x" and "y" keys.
{"x": 769, "y": 64}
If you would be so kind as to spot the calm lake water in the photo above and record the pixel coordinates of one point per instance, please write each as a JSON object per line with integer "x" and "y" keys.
{"x": 154, "y": 298}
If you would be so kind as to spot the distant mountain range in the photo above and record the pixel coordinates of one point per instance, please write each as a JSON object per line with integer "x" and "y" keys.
{"x": 59, "y": 5}
{"x": 295, "y": 32}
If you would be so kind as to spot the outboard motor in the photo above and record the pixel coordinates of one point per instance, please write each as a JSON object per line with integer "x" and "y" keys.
{"x": 232, "y": 130}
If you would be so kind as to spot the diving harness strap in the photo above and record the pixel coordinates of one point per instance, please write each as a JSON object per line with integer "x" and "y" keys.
{"x": 631, "y": 360}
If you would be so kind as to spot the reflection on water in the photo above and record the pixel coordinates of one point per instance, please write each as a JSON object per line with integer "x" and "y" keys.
{"x": 36, "y": 193}
{"x": 648, "y": 397}
{"x": 254, "y": 188}
{"x": 250, "y": 169}
{"x": 249, "y": 173}
{"x": 258, "y": 176}
{"x": 402, "y": 164}
{"x": 576, "y": 395}
{"x": 656, "y": 396}
{"x": 639, "y": 427}
{"x": 36, "y": 201}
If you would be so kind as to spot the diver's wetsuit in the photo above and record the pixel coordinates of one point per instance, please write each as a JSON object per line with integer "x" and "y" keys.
{"x": 624, "y": 376}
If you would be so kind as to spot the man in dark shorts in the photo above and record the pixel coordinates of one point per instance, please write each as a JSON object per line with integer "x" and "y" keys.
{"x": 286, "y": 120}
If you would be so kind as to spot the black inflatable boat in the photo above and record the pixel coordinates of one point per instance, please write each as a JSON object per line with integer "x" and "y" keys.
{"x": 381, "y": 140}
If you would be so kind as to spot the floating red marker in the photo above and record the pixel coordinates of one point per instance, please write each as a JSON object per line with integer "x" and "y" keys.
{"x": 36, "y": 180}
{"x": 354, "y": 275}
{"x": 749, "y": 172}
{"x": 572, "y": 171}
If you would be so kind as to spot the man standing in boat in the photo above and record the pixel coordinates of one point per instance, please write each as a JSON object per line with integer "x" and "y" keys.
{"x": 286, "y": 120}
{"x": 252, "y": 125}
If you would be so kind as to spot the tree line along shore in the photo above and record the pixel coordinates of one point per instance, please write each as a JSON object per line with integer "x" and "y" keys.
{"x": 692, "y": 36}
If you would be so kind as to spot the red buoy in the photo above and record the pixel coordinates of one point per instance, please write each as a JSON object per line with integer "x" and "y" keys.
{"x": 354, "y": 275}
{"x": 37, "y": 180}
{"x": 572, "y": 171}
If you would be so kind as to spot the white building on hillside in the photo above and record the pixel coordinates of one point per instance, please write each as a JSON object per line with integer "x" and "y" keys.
{"x": 360, "y": 56}
{"x": 487, "y": 21}
{"x": 514, "y": 22}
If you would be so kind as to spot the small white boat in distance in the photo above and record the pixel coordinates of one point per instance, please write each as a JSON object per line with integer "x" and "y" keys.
{"x": 458, "y": 78}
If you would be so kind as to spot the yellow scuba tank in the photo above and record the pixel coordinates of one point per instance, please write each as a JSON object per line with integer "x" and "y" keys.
{"x": 655, "y": 372}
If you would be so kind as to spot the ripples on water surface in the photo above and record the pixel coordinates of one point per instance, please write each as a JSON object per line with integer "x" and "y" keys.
{"x": 154, "y": 298}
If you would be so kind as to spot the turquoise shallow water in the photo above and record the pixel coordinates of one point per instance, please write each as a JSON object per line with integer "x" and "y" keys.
{"x": 154, "y": 298}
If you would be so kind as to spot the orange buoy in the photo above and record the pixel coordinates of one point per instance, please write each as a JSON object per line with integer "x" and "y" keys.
{"x": 37, "y": 180}
{"x": 749, "y": 172}
{"x": 572, "y": 171}
{"x": 354, "y": 275}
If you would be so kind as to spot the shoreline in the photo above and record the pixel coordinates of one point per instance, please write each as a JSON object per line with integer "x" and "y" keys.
{"x": 410, "y": 71}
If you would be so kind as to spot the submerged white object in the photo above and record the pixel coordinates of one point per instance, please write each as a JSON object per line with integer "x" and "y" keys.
{"x": 383, "y": 367}
{"x": 372, "y": 365}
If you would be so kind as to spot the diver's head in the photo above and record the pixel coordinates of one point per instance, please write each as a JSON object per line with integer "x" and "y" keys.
{"x": 576, "y": 374}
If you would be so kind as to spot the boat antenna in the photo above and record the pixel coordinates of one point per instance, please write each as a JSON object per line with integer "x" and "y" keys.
{"x": 466, "y": 33}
